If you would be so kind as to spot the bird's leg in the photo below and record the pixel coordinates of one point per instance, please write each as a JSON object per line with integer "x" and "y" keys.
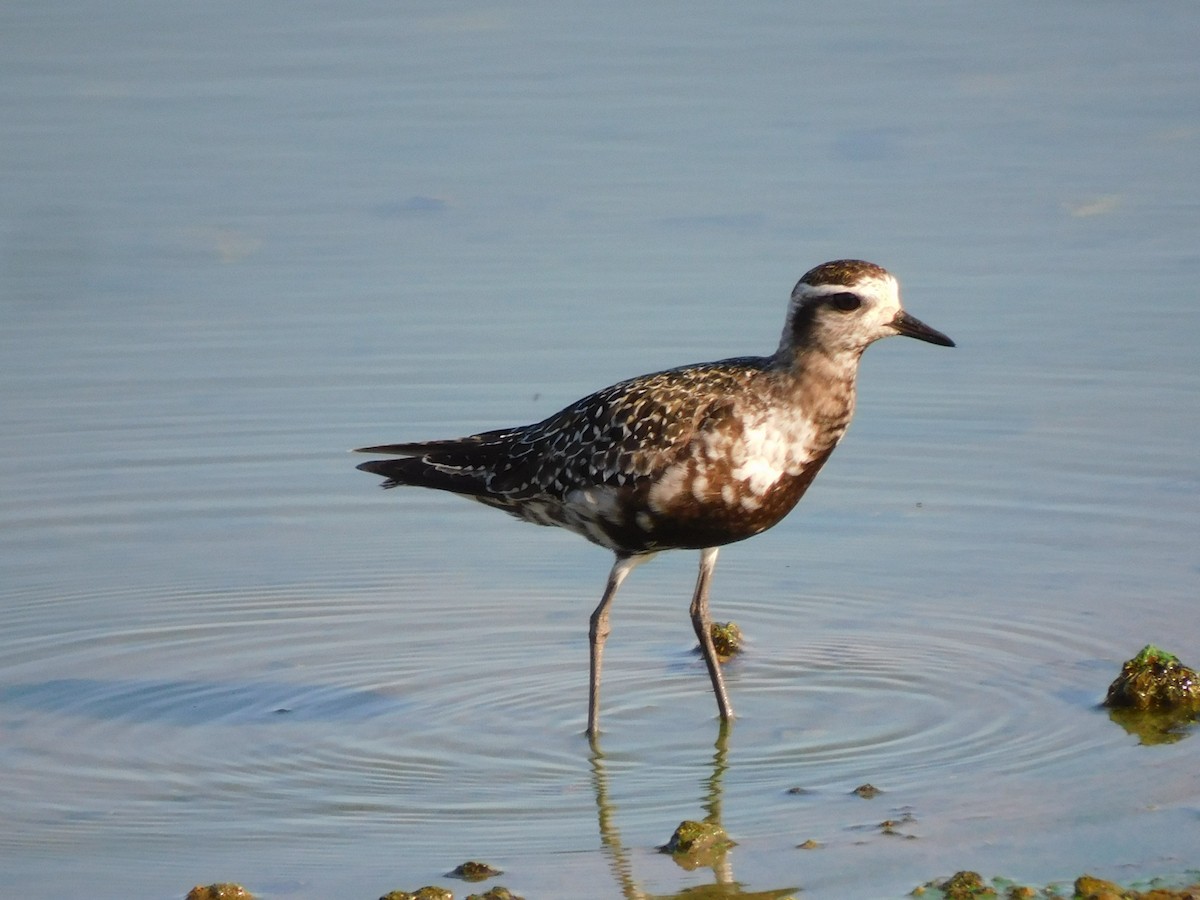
{"x": 701, "y": 622}
{"x": 599, "y": 631}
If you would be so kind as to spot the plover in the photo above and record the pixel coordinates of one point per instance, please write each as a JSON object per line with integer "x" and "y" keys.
{"x": 691, "y": 458}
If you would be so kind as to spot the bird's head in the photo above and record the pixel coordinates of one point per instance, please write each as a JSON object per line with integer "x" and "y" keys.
{"x": 843, "y": 306}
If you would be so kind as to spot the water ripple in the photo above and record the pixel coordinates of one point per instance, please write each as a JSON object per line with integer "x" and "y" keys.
{"x": 302, "y": 706}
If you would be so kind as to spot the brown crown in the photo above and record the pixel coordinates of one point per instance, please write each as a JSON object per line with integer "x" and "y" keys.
{"x": 843, "y": 271}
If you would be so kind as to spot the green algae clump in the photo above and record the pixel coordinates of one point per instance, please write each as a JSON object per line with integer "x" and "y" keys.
{"x": 429, "y": 892}
{"x": 474, "y": 871}
{"x": 696, "y": 844}
{"x": 1155, "y": 697}
{"x": 965, "y": 885}
{"x": 499, "y": 892}
{"x": 969, "y": 885}
{"x": 726, "y": 638}
{"x": 1155, "y": 680}
{"x": 962, "y": 885}
{"x": 1088, "y": 887}
{"x": 219, "y": 891}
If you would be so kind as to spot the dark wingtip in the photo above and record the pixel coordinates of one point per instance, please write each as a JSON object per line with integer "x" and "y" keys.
{"x": 383, "y": 468}
{"x": 409, "y": 449}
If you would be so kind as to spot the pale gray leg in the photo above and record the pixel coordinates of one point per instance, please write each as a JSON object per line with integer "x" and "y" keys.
{"x": 599, "y": 631}
{"x": 701, "y": 620}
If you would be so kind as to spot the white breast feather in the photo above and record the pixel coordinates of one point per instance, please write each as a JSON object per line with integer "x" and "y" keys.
{"x": 775, "y": 445}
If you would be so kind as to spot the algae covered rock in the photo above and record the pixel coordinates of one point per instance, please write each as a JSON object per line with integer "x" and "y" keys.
{"x": 474, "y": 871}
{"x": 219, "y": 891}
{"x": 1088, "y": 887}
{"x": 962, "y": 885}
{"x": 1155, "y": 697}
{"x": 894, "y": 827}
{"x": 696, "y": 844}
{"x": 429, "y": 892}
{"x": 692, "y": 836}
{"x": 966, "y": 885}
{"x": 1155, "y": 680}
{"x": 726, "y": 638}
{"x": 499, "y": 892}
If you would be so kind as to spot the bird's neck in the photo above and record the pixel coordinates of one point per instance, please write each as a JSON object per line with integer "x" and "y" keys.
{"x": 821, "y": 384}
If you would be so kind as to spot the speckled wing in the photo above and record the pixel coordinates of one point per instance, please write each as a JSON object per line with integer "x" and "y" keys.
{"x": 618, "y": 437}
{"x": 621, "y": 435}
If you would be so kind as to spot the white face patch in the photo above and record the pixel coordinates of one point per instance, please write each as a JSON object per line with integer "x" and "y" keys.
{"x": 851, "y": 331}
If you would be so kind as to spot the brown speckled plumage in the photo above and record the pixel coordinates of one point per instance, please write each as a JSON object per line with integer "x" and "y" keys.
{"x": 689, "y": 458}
{"x": 621, "y": 441}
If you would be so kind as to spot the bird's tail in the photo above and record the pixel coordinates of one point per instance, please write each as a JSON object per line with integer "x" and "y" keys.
{"x": 460, "y": 466}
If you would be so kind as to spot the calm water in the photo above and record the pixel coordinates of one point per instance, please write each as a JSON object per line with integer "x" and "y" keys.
{"x": 237, "y": 240}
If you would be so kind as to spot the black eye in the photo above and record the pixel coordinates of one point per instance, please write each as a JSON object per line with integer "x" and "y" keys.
{"x": 846, "y": 302}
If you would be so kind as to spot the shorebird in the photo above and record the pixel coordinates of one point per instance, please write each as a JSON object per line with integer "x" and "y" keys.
{"x": 690, "y": 458}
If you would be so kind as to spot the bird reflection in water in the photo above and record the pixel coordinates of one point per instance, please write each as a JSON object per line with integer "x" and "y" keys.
{"x": 716, "y": 857}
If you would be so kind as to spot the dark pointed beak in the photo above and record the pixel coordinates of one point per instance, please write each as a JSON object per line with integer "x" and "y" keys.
{"x": 909, "y": 326}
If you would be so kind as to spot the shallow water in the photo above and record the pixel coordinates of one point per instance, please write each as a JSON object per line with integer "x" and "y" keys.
{"x": 237, "y": 241}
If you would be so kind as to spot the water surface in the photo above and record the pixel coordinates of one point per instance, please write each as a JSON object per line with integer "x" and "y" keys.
{"x": 238, "y": 240}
